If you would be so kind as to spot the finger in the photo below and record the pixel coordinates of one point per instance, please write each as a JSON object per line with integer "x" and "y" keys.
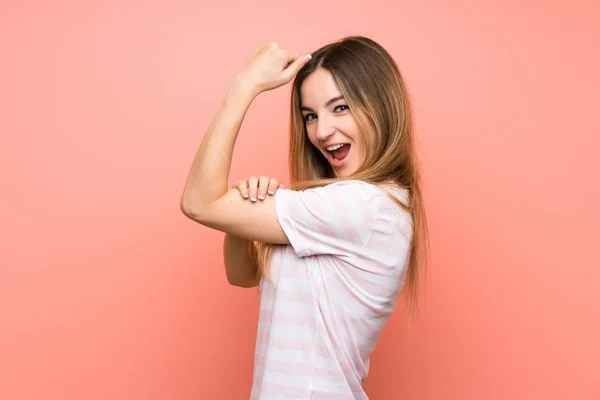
{"x": 291, "y": 57}
{"x": 273, "y": 186}
{"x": 252, "y": 187}
{"x": 263, "y": 184}
{"x": 295, "y": 66}
{"x": 242, "y": 187}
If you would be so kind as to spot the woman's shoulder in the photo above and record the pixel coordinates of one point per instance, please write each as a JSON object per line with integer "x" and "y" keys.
{"x": 379, "y": 190}
{"x": 344, "y": 188}
{"x": 354, "y": 185}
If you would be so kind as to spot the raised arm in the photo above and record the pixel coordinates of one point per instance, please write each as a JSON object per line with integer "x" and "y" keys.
{"x": 206, "y": 198}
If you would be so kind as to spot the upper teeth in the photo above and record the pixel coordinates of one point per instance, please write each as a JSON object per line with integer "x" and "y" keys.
{"x": 332, "y": 148}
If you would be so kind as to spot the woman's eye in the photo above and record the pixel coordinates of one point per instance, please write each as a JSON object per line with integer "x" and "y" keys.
{"x": 341, "y": 107}
{"x": 309, "y": 117}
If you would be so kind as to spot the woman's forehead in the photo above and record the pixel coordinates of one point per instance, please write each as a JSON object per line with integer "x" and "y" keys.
{"x": 318, "y": 89}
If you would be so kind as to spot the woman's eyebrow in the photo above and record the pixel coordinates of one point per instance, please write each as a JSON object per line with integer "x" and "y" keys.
{"x": 329, "y": 102}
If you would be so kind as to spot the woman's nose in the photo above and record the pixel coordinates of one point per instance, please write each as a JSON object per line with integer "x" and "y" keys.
{"x": 325, "y": 129}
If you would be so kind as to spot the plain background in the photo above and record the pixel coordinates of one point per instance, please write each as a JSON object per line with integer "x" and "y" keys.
{"x": 108, "y": 292}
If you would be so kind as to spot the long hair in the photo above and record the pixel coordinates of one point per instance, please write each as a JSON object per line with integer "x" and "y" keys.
{"x": 371, "y": 82}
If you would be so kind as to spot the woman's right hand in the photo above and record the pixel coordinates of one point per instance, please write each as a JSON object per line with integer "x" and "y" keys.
{"x": 271, "y": 66}
{"x": 257, "y": 187}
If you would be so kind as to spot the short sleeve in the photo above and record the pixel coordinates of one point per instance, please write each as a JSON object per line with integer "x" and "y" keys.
{"x": 337, "y": 219}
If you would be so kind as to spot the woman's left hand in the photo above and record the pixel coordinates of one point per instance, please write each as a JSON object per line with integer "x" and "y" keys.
{"x": 257, "y": 187}
{"x": 270, "y": 67}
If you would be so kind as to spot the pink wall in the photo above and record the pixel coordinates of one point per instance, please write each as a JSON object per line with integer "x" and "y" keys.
{"x": 108, "y": 292}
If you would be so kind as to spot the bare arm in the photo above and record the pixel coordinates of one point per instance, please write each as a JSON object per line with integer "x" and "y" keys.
{"x": 206, "y": 198}
{"x": 239, "y": 265}
{"x": 240, "y": 254}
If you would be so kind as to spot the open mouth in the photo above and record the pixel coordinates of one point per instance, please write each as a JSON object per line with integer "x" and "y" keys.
{"x": 338, "y": 153}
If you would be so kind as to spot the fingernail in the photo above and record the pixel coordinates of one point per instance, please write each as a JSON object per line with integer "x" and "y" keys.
{"x": 308, "y": 56}
{"x": 271, "y": 192}
{"x": 260, "y": 196}
{"x": 252, "y": 198}
{"x": 245, "y": 196}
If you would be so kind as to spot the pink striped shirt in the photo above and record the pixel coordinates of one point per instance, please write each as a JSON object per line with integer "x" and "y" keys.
{"x": 331, "y": 291}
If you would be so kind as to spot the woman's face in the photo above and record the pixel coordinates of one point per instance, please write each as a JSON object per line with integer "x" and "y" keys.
{"x": 330, "y": 125}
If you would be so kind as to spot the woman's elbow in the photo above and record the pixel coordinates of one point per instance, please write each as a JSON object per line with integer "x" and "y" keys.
{"x": 189, "y": 210}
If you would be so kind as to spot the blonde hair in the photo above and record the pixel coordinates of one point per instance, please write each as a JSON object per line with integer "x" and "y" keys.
{"x": 371, "y": 83}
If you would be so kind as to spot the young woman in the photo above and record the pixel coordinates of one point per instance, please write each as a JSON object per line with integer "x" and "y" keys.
{"x": 336, "y": 248}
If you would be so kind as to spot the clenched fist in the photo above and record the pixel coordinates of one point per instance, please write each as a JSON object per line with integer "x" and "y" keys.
{"x": 270, "y": 67}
